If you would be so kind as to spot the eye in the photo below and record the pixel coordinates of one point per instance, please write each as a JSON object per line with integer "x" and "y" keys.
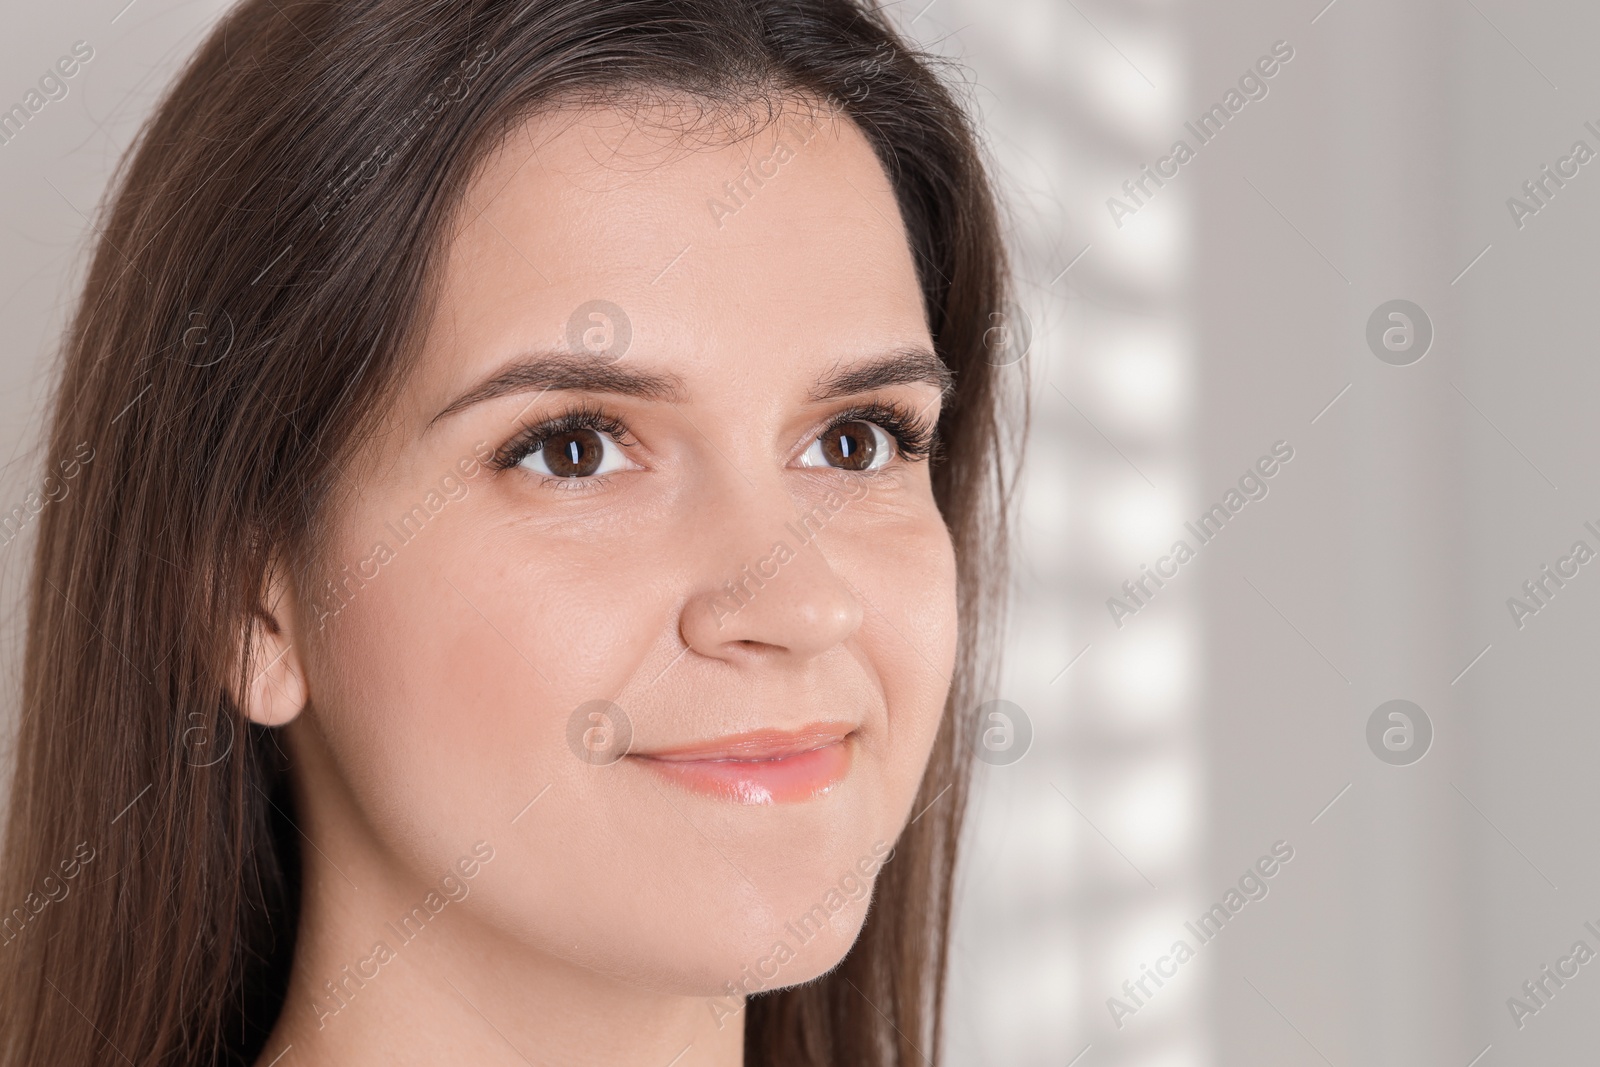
{"x": 851, "y": 445}
{"x": 576, "y": 453}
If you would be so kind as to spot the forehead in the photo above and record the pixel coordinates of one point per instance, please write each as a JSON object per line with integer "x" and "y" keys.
{"x": 722, "y": 245}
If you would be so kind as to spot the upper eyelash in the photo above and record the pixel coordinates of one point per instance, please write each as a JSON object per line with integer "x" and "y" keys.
{"x": 532, "y": 438}
{"x": 915, "y": 435}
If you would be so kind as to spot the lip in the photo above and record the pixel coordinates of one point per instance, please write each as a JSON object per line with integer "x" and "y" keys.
{"x": 759, "y": 767}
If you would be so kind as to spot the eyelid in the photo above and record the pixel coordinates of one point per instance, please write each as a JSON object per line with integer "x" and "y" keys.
{"x": 587, "y": 416}
{"x": 913, "y": 430}
{"x": 611, "y": 452}
{"x": 882, "y": 439}
{"x": 914, "y": 433}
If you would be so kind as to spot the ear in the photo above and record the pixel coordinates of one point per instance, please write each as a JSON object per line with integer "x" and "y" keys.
{"x": 275, "y": 688}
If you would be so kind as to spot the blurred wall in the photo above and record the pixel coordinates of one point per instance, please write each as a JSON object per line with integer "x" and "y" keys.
{"x": 1432, "y": 876}
{"x": 53, "y": 172}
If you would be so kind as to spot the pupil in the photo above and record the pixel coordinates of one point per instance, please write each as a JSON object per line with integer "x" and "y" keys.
{"x": 574, "y": 454}
{"x": 850, "y": 446}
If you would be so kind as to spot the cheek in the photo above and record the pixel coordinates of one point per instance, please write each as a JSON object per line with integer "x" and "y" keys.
{"x": 456, "y": 667}
{"x": 905, "y": 574}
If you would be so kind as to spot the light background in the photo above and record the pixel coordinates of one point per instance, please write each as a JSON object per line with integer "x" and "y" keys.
{"x": 1168, "y": 354}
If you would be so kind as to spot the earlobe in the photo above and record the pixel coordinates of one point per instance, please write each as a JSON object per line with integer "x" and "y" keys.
{"x": 275, "y": 688}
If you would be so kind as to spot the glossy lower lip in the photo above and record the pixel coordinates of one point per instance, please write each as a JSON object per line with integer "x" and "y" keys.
{"x": 763, "y": 767}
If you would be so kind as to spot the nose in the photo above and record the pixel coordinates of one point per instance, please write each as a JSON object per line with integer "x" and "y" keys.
{"x": 766, "y": 589}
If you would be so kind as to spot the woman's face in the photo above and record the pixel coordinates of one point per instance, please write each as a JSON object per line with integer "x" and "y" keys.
{"x": 649, "y": 544}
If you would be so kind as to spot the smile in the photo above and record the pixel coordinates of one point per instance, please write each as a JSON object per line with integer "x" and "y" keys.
{"x": 761, "y": 767}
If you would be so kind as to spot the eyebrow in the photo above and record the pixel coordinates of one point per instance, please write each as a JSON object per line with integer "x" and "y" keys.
{"x": 906, "y": 366}
{"x": 554, "y": 370}
{"x": 548, "y": 371}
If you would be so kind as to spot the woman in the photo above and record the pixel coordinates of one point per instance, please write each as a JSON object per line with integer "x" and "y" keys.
{"x": 524, "y": 599}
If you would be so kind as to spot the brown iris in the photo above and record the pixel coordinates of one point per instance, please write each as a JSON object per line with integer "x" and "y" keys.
{"x": 573, "y": 453}
{"x": 850, "y": 446}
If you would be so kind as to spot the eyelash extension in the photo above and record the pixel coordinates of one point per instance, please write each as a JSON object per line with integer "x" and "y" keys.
{"x": 532, "y": 438}
{"x": 916, "y": 436}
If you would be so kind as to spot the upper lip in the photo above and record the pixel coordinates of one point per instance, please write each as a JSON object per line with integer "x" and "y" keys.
{"x": 756, "y": 745}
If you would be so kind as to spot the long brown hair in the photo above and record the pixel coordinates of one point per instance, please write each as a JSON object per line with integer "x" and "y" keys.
{"x": 258, "y": 283}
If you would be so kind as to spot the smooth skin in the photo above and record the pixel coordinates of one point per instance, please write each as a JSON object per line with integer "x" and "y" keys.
{"x": 428, "y": 708}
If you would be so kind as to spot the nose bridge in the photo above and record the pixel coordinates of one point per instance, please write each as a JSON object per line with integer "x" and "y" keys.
{"x": 739, "y": 513}
{"x": 762, "y": 581}
{"x": 759, "y": 544}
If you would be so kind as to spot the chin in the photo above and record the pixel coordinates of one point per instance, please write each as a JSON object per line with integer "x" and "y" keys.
{"x": 760, "y": 957}
{"x": 773, "y": 905}
{"x": 809, "y": 927}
